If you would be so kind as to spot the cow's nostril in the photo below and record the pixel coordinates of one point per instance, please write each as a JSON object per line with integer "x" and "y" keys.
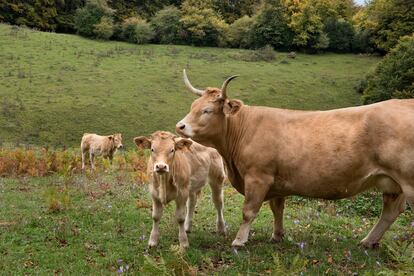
{"x": 182, "y": 126}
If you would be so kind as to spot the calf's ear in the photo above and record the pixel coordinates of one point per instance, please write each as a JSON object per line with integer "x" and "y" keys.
{"x": 142, "y": 142}
{"x": 231, "y": 107}
{"x": 183, "y": 144}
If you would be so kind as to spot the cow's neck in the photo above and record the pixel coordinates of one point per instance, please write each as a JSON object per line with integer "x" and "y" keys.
{"x": 228, "y": 145}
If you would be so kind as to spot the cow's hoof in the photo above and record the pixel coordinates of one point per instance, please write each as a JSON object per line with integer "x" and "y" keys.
{"x": 184, "y": 246}
{"x": 277, "y": 237}
{"x": 152, "y": 244}
{"x": 237, "y": 243}
{"x": 369, "y": 245}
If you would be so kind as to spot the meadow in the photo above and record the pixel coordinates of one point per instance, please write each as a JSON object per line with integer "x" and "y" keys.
{"x": 54, "y": 218}
{"x": 55, "y": 87}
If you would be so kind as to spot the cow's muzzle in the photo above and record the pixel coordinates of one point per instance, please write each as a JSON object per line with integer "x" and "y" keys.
{"x": 161, "y": 168}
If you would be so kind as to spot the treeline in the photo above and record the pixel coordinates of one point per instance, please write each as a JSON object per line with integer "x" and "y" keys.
{"x": 310, "y": 25}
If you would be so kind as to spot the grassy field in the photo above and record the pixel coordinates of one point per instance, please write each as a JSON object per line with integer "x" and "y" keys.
{"x": 55, "y": 87}
{"x": 100, "y": 223}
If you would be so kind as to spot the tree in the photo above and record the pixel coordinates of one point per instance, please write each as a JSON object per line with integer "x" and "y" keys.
{"x": 394, "y": 75}
{"x": 239, "y": 34}
{"x": 271, "y": 26}
{"x": 231, "y": 10}
{"x": 387, "y": 21}
{"x": 202, "y": 24}
{"x": 87, "y": 17}
{"x": 340, "y": 33}
{"x": 137, "y": 30}
{"x": 104, "y": 29}
{"x": 39, "y": 14}
{"x": 167, "y": 26}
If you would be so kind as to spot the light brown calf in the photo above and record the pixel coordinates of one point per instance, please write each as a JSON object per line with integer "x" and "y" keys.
{"x": 178, "y": 169}
{"x": 99, "y": 145}
{"x": 272, "y": 153}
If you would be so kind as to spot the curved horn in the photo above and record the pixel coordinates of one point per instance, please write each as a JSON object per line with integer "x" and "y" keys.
{"x": 190, "y": 87}
{"x": 224, "y": 86}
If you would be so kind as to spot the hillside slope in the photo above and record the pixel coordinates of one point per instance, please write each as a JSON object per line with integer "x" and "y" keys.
{"x": 55, "y": 87}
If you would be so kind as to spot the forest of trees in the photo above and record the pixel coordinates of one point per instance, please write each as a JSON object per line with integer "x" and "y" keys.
{"x": 306, "y": 25}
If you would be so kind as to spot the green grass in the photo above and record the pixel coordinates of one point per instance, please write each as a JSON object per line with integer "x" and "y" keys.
{"x": 98, "y": 225}
{"x": 55, "y": 87}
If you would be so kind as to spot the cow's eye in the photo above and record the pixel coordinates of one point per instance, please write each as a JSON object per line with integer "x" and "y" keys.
{"x": 152, "y": 150}
{"x": 206, "y": 111}
{"x": 172, "y": 150}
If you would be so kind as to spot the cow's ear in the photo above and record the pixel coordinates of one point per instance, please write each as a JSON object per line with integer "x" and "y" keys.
{"x": 231, "y": 107}
{"x": 183, "y": 144}
{"x": 142, "y": 142}
{"x": 111, "y": 137}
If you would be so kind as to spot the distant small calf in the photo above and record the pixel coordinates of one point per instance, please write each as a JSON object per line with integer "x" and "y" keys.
{"x": 178, "y": 169}
{"x": 99, "y": 145}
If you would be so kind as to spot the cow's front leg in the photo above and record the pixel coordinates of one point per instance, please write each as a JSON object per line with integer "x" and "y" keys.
{"x": 255, "y": 190}
{"x": 277, "y": 205}
{"x": 180, "y": 213}
{"x": 191, "y": 203}
{"x": 157, "y": 210}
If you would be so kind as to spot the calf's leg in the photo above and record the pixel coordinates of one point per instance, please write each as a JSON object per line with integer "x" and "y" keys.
{"x": 216, "y": 185}
{"x": 83, "y": 158}
{"x": 255, "y": 190}
{"x": 157, "y": 210}
{"x": 393, "y": 205}
{"x": 92, "y": 157}
{"x": 180, "y": 213}
{"x": 277, "y": 205}
{"x": 191, "y": 203}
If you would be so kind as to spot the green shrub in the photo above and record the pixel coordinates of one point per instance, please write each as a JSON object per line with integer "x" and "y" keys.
{"x": 271, "y": 26}
{"x": 202, "y": 24}
{"x": 87, "y": 17}
{"x": 143, "y": 33}
{"x": 341, "y": 34}
{"x": 239, "y": 34}
{"x": 137, "y": 30}
{"x": 104, "y": 29}
{"x": 166, "y": 25}
{"x": 394, "y": 75}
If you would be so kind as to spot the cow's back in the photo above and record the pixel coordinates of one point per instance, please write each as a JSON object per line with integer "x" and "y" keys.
{"x": 330, "y": 151}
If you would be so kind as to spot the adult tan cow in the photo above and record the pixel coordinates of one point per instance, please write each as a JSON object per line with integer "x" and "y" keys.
{"x": 178, "y": 169}
{"x": 272, "y": 153}
{"x": 99, "y": 145}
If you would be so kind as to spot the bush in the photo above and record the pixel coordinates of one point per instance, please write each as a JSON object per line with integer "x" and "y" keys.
{"x": 341, "y": 34}
{"x": 87, "y": 17}
{"x": 239, "y": 34}
{"x": 394, "y": 75}
{"x": 137, "y": 30}
{"x": 166, "y": 25}
{"x": 202, "y": 24}
{"x": 104, "y": 29}
{"x": 271, "y": 26}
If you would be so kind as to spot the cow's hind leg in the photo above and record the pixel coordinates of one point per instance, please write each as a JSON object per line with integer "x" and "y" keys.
{"x": 83, "y": 158}
{"x": 191, "y": 204}
{"x": 157, "y": 210}
{"x": 393, "y": 205}
{"x": 255, "y": 190}
{"x": 277, "y": 205}
{"x": 216, "y": 184}
{"x": 92, "y": 160}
